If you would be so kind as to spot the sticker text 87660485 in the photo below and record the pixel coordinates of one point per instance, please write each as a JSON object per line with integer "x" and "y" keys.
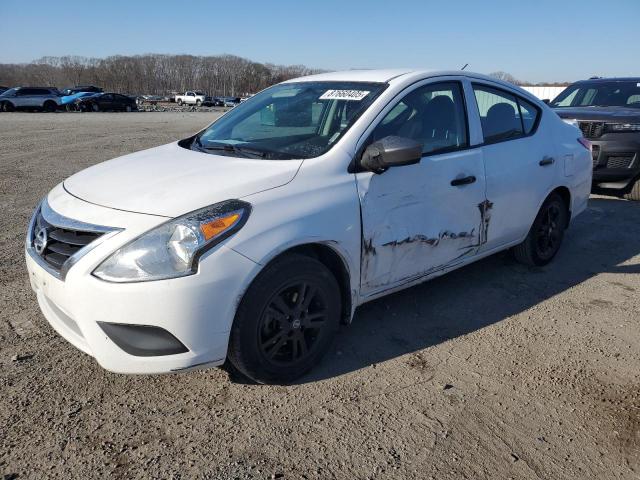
{"x": 355, "y": 95}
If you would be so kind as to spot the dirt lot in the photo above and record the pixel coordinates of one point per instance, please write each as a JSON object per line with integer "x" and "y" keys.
{"x": 495, "y": 371}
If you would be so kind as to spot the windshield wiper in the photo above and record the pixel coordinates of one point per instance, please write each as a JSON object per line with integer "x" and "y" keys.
{"x": 232, "y": 149}
{"x": 235, "y": 149}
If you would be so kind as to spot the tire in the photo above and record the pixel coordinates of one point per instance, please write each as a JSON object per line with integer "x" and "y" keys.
{"x": 49, "y": 106}
{"x": 545, "y": 236}
{"x": 95, "y": 107}
{"x": 274, "y": 338}
{"x": 634, "y": 193}
{"x": 198, "y": 103}
{"x": 179, "y": 102}
{"x": 8, "y": 107}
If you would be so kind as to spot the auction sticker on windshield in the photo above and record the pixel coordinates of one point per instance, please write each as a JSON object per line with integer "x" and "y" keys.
{"x": 356, "y": 95}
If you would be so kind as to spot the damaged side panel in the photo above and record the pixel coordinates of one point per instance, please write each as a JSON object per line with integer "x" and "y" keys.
{"x": 414, "y": 222}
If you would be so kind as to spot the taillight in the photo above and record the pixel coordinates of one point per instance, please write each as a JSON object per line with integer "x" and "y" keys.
{"x": 585, "y": 143}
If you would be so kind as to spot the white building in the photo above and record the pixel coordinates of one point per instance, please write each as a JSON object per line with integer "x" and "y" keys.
{"x": 543, "y": 93}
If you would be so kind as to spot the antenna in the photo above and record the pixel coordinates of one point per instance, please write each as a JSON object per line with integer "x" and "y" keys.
{"x": 465, "y": 66}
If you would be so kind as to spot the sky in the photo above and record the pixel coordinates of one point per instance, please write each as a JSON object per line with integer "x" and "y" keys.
{"x": 536, "y": 41}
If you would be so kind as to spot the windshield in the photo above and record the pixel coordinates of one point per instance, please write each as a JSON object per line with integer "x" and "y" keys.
{"x": 600, "y": 94}
{"x": 9, "y": 92}
{"x": 291, "y": 120}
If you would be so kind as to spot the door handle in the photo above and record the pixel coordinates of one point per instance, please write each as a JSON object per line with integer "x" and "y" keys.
{"x": 456, "y": 182}
{"x": 546, "y": 161}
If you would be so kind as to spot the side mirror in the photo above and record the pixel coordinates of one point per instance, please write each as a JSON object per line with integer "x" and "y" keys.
{"x": 547, "y": 101}
{"x": 391, "y": 151}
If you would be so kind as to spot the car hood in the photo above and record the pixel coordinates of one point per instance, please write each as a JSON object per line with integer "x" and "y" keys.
{"x": 171, "y": 180}
{"x": 613, "y": 114}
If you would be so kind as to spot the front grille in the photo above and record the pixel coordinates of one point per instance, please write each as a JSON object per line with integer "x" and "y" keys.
{"x": 620, "y": 160}
{"x": 56, "y": 242}
{"x": 595, "y": 154}
{"x": 591, "y": 129}
{"x": 59, "y": 243}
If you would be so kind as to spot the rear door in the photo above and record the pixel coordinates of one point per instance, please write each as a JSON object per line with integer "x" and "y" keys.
{"x": 520, "y": 163}
{"x": 418, "y": 219}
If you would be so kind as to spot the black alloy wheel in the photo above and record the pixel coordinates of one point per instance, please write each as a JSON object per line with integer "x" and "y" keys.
{"x": 286, "y": 320}
{"x": 292, "y": 323}
{"x": 549, "y": 231}
{"x": 545, "y": 236}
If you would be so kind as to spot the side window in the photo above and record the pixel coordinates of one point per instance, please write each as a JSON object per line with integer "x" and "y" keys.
{"x": 499, "y": 114}
{"x": 433, "y": 114}
{"x": 588, "y": 96}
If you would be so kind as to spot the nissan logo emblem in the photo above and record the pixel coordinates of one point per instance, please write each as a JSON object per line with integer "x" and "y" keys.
{"x": 40, "y": 241}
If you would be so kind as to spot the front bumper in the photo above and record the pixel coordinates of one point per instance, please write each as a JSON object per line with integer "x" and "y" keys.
{"x": 616, "y": 160}
{"x": 197, "y": 310}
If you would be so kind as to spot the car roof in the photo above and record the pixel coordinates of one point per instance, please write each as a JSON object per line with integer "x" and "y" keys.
{"x": 389, "y": 75}
{"x": 353, "y": 76}
{"x": 610, "y": 79}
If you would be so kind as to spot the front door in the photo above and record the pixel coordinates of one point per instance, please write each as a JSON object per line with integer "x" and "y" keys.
{"x": 418, "y": 219}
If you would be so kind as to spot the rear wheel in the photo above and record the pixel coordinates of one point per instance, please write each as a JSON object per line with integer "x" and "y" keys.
{"x": 50, "y": 106}
{"x": 198, "y": 103}
{"x": 546, "y": 233}
{"x": 286, "y": 321}
{"x": 634, "y": 193}
{"x": 8, "y": 107}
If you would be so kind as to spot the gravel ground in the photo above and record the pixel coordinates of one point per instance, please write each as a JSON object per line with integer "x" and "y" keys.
{"x": 494, "y": 371}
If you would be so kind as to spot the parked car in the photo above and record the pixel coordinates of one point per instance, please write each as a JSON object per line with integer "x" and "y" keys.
{"x": 193, "y": 97}
{"x": 607, "y": 110}
{"x": 149, "y": 99}
{"x": 231, "y": 101}
{"x": 101, "y": 102}
{"x": 81, "y": 88}
{"x": 253, "y": 239}
{"x": 30, "y": 98}
{"x": 212, "y": 102}
{"x": 70, "y": 101}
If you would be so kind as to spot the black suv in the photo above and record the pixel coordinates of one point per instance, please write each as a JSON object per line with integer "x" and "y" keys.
{"x": 607, "y": 110}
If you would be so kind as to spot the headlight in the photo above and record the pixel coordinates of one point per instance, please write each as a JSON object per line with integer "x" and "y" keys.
{"x": 571, "y": 121}
{"x": 172, "y": 249}
{"x": 623, "y": 127}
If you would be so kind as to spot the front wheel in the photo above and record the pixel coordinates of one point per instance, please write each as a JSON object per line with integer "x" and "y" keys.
{"x": 286, "y": 321}
{"x": 198, "y": 103}
{"x": 546, "y": 233}
{"x": 180, "y": 102}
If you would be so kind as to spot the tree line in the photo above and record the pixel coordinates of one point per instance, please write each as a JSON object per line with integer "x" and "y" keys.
{"x": 157, "y": 74}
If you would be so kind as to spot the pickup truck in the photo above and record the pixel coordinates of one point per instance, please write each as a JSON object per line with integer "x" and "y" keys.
{"x": 191, "y": 97}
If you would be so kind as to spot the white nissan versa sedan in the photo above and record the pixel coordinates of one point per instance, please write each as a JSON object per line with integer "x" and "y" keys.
{"x": 255, "y": 238}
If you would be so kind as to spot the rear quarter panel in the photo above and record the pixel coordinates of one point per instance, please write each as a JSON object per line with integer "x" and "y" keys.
{"x": 576, "y": 164}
